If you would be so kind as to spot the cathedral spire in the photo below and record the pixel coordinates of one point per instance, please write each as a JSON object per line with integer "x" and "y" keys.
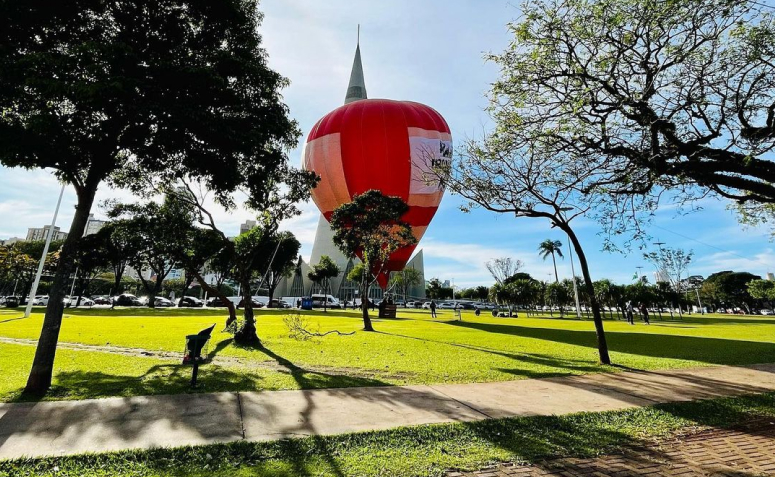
{"x": 356, "y": 90}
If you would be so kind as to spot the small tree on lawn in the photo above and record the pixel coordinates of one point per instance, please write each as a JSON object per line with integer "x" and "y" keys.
{"x": 503, "y": 268}
{"x": 371, "y": 226}
{"x": 124, "y": 92}
{"x": 673, "y": 263}
{"x": 322, "y": 273}
{"x": 158, "y": 234}
{"x": 283, "y": 262}
{"x": 405, "y": 279}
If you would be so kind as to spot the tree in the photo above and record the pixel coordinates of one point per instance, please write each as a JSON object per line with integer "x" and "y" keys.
{"x": 762, "y": 290}
{"x": 119, "y": 92}
{"x": 551, "y": 247}
{"x": 283, "y": 262}
{"x": 728, "y": 288}
{"x": 371, "y": 226}
{"x": 604, "y": 293}
{"x": 113, "y": 249}
{"x": 433, "y": 290}
{"x": 252, "y": 253}
{"x": 202, "y": 248}
{"x": 481, "y": 292}
{"x": 323, "y": 272}
{"x": 499, "y": 174}
{"x": 158, "y": 234}
{"x": 405, "y": 279}
{"x": 647, "y": 95}
{"x": 672, "y": 263}
{"x": 503, "y": 268}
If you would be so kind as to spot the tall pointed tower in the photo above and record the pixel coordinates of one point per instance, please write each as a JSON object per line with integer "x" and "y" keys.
{"x": 324, "y": 236}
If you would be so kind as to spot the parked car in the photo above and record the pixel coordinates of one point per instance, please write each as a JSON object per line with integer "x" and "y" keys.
{"x": 126, "y": 299}
{"x": 190, "y": 302}
{"x": 254, "y": 300}
{"x": 102, "y": 300}
{"x": 11, "y": 301}
{"x": 162, "y": 302}
{"x": 40, "y": 300}
{"x": 73, "y": 301}
{"x": 275, "y": 303}
{"x": 413, "y": 304}
{"x": 767, "y": 312}
{"x": 446, "y": 305}
{"x": 427, "y": 305}
{"x": 466, "y": 305}
{"x": 216, "y": 302}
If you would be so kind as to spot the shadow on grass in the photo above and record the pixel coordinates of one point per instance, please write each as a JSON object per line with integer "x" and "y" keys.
{"x": 563, "y": 365}
{"x": 707, "y": 350}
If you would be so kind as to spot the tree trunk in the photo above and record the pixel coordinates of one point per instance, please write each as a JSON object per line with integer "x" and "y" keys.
{"x": 602, "y": 345}
{"x": 42, "y": 370}
{"x": 186, "y": 285}
{"x": 554, "y": 262}
{"x": 215, "y": 291}
{"x": 365, "y": 303}
{"x": 247, "y": 335}
{"x": 325, "y": 296}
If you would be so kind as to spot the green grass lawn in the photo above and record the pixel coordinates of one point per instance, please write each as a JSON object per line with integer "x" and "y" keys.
{"x": 409, "y": 349}
{"x": 413, "y": 451}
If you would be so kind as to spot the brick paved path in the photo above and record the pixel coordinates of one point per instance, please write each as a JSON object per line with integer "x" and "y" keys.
{"x": 743, "y": 451}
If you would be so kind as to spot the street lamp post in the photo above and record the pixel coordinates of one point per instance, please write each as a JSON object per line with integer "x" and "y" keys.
{"x": 573, "y": 269}
{"x": 42, "y": 262}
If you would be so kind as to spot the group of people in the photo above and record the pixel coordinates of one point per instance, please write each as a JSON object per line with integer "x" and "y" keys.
{"x": 644, "y": 312}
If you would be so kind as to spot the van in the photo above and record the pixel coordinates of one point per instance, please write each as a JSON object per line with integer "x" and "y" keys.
{"x": 328, "y": 300}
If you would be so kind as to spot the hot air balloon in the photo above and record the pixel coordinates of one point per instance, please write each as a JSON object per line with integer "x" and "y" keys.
{"x": 390, "y": 146}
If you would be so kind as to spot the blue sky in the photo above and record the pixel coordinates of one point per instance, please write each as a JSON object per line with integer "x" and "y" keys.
{"x": 431, "y": 52}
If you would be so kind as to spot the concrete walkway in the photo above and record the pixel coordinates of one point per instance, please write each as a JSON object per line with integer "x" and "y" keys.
{"x": 71, "y": 427}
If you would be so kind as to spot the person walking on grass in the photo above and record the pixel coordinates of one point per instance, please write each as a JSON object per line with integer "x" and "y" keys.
{"x": 629, "y": 313}
{"x": 644, "y": 311}
{"x": 433, "y": 309}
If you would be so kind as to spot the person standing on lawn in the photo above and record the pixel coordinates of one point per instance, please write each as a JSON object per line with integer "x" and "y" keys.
{"x": 644, "y": 311}
{"x": 433, "y": 309}
{"x": 629, "y": 313}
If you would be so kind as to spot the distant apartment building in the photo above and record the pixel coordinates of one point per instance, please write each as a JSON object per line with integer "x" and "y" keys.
{"x": 247, "y": 226}
{"x": 41, "y": 233}
{"x": 770, "y": 276}
{"x": 93, "y": 225}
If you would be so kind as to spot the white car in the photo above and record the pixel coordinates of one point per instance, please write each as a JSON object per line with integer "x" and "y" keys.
{"x": 426, "y": 305}
{"x": 40, "y": 300}
{"x": 447, "y": 305}
{"x": 767, "y": 312}
{"x": 72, "y": 301}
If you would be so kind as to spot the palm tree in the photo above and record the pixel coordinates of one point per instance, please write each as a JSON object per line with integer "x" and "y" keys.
{"x": 551, "y": 247}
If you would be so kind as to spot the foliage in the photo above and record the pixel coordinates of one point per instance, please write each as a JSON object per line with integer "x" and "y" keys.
{"x": 371, "y": 226}
{"x": 322, "y": 273}
{"x": 405, "y": 279}
{"x": 762, "y": 289}
{"x": 672, "y": 262}
{"x": 158, "y": 235}
{"x": 728, "y": 288}
{"x": 118, "y": 92}
{"x": 594, "y": 83}
{"x": 503, "y": 268}
{"x": 551, "y": 248}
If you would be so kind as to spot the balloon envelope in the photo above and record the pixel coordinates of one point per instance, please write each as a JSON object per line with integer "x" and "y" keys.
{"x": 390, "y": 146}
